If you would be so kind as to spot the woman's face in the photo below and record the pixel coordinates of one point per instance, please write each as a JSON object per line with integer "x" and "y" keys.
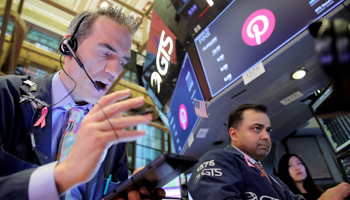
{"x": 296, "y": 169}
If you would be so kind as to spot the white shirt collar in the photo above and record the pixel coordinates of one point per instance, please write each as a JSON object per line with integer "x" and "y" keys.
{"x": 249, "y": 158}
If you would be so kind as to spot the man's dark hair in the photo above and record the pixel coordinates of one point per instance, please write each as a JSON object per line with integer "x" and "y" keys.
{"x": 236, "y": 116}
{"x": 114, "y": 14}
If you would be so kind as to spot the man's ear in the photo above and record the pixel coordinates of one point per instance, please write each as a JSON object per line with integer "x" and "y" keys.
{"x": 63, "y": 49}
{"x": 233, "y": 134}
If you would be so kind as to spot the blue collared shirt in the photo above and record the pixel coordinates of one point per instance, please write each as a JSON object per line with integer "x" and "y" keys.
{"x": 42, "y": 182}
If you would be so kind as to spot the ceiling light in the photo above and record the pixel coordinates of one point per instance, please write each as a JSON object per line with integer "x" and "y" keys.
{"x": 299, "y": 74}
{"x": 210, "y": 2}
{"x": 104, "y": 4}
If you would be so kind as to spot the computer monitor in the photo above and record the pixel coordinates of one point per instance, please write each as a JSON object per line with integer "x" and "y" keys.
{"x": 181, "y": 115}
{"x": 162, "y": 64}
{"x": 344, "y": 164}
{"x": 197, "y": 14}
{"x": 335, "y": 127}
{"x": 173, "y": 188}
{"x": 244, "y": 34}
{"x": 188, "y": 176}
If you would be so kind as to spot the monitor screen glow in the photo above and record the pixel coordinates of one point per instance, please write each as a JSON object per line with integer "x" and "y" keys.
{"x": 173, "y": 188}
{"x": 246, "y": 33}
{"x": 188, "y": 176}
{"x": 344, "y": 163}
{"x": 181, "y": 115}
{"x": 336, "y": 127}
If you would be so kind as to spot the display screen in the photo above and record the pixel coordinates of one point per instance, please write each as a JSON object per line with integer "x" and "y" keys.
{"x": 173, "y": 188}
{"x": 335, "y": 127}
{"x": 197, "y": 14}
{"x": 247, "y": 32}
{"x": 344, "y": 163}
{"x": 162, "y": 63}
{"x": 181, "y": 115}
{"x": 188, "y": 176}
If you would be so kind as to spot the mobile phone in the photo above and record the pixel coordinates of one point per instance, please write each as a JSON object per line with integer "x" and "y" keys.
{"x": 155, "y": 175}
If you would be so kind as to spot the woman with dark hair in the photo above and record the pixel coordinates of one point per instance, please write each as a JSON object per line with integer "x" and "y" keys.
{"x": 294, "y": 173}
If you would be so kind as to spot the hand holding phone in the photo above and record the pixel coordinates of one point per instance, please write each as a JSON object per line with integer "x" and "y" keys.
{"x": 154, "y": 175}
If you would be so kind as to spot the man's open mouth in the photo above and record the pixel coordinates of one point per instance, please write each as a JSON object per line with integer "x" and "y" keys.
{"x": 101, "y": 84}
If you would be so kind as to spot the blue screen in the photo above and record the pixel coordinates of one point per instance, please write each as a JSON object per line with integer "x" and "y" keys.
{"x": 247, "y": 32}
{"x": 188, "y": 176}
{"x": 181, "y": 116}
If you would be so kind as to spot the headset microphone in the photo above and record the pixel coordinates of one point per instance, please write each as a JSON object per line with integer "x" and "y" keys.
{"x": 68, "y": 47}
{"x": 66, "y": 43}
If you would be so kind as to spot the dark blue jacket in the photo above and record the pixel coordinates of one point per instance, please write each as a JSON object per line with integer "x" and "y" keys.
{"x": 225, "y": 174}
{"x": 18, "y": 159}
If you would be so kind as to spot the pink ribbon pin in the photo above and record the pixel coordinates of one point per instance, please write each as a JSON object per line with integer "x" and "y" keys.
{"x": 249, "y": 164}
{"x": 41, "y": 120}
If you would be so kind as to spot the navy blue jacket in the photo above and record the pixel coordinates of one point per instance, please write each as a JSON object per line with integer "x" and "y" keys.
{"x": 17, "y": 157}
{"x": 225, "y": 174}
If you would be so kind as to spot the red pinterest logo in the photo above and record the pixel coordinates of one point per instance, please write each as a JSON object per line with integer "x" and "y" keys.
{"x": 183, "y": 116}
{"x": 258, "y": 27}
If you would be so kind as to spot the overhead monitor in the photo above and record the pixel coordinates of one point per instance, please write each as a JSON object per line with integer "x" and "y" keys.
{"x": 246, "y": 33}
{"x": 181, "y": 115}
{"x": 335, "y": 127}
{"x": 197, "y": 14}
{"x": 162, "y": 64}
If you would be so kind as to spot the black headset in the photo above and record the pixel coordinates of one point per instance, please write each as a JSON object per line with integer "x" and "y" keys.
{"x": 69, "y": 46}
{"x": 71, "y": 40}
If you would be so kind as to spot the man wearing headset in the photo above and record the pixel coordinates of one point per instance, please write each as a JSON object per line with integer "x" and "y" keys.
{"x": 97, "y": 45}
{"x": 235, "y": 172}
